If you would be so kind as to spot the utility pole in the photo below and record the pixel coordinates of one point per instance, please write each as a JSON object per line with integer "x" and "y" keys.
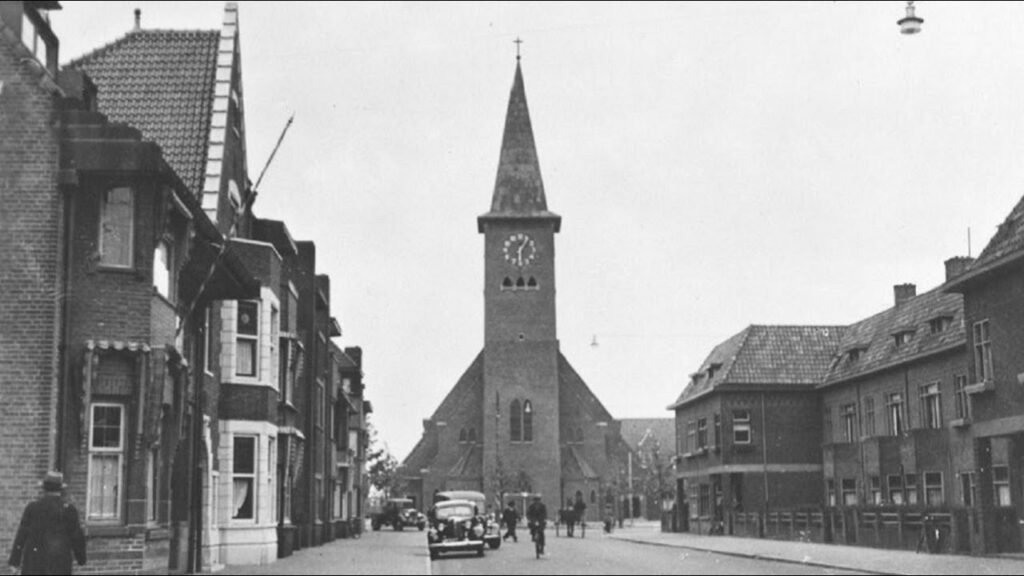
{"x": 629, "y": 506}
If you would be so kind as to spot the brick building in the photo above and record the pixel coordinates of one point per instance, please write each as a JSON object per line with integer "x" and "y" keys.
{"x": 993, "y": 294}
{"x": 165, "y": 366}
{"x": 747, "y": 425}
{"x": 520, "y": 419}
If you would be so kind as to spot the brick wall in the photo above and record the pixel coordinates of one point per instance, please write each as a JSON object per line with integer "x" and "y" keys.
{"x": 30, "y": 286}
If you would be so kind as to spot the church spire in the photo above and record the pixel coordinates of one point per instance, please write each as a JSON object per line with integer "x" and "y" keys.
{"x": 518, "y": 188}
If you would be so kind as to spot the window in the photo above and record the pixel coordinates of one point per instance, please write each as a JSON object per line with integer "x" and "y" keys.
{"x": 704, "y": 500}
{"x": 940, "y": 324}
{"x": 462, "y": 436}
{"x": 830, "y": 491}
{"x": 869, "y": 416}
{"x": 903, "y": 338}
{"x": 318, "y": 501}
{"x": 593, "y": 497}
{"x": 106, "y": 453}
{"x": 162, "y": 277}
{"x": 982, "y": 352}
{"x": 876, "y": 490}
{"x": 691, "y": 436}
{"x": 271, "y": 468}
{"x": 117, "y": 227}
{"x": 718, "y": 431}
{"x": 516, "y": 422}
{"x": 275, "y": 323}
{"x": 849, "y": 491}
{"x": 854, "y": 355}
{"x": 968, "y": 488}
{"x": 207, "y": 342}
{"x": 506, "y": 284}
{"x": 532, "y": 283}
{"x": 894, "y": 413}
{"x": 244, "y": 481}
{"x": 963, "y": 400}
{"x": 896, "y": 489}
{"x": 910, "y": 484}
{"x": 248, "y": 339}
{"x": 527, "y": 421}
{"x": 741, "y": 433}
{"x": 152, "y": 484}
{"x": 472, "y": 435}
{"x": 933, "y": 495}
{"x": 1001, "y": 485}
{"x": 931, "y": 406}
{"x": 827, "y": 430}
{"x": 702, "y": 433}
{"x": 849, "y": 415}
{"x": 318, "y": 409}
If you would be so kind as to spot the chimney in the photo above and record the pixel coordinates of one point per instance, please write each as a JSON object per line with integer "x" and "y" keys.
{"x": 138, "y": 19}
{"x": 904, "y": 292}
{"x": 356, "y": 354}
{"x": 957, "y": 265}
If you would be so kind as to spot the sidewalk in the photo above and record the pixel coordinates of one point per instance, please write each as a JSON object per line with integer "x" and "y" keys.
{"x": 854, "y": 558}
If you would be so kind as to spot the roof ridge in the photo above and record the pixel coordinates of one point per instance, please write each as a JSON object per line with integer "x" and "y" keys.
{"x": 732, "y": 363}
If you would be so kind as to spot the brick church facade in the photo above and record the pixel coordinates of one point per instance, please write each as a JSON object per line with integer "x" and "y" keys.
{"x": 520, "y": 420}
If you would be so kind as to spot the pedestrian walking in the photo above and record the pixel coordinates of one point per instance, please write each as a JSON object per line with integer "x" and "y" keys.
{"x": 49, "y": 533}
{"x": 510, "y": 517}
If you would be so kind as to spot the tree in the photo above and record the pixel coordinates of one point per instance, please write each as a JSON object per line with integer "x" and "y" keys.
{"x": 382, "y": 466}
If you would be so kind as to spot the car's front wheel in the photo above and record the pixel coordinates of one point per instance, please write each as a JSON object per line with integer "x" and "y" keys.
{"x": 376, "y": 526}
{"x": 494, "y": 544}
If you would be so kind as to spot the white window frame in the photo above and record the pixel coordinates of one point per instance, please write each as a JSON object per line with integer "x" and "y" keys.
{"x": 1001, "y": 487}
{"x": 928, "y": 486}
{"x": 252, "y": 476}
{"x": 849, "y": 494}
{"x": 253, "y": 338}
{"x": 742, "y": 424}
{"x": 207, "y": 341}
{"x": 848, "y": 412}
{"x": 272, "y": 477}
{"x": 894, "y": 485}
{"x": 131, "y": 228}
{"x": 94, "y": 451}
{"x": 869, "y": 416}
{"x": 963, "y": 399}
{"x": 895, "y": 410}
{"x": 163, "y": 272}
{"x": 982, "y": 351}
{"x": 931, "y": 406}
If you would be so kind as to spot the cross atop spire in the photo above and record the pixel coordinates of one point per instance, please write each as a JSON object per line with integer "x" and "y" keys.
{"x": 518, "y": 42}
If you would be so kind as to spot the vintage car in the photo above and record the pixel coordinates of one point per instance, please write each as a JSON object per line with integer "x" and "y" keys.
{"x": 395, "y": 513}
{"x": 455, "y": 526}
{"x": 413, "y": 517}
{"x": 492, "y": 526}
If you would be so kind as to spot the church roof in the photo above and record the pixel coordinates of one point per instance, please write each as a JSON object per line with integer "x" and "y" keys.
{"x": 161, "y": 82}
{"x": 790, "y": 356}
{"x": 518, "y": 188}
{"x": 644, "y": 432}
{"x": 574, "y": 465}
{"x": 470, "y": 463}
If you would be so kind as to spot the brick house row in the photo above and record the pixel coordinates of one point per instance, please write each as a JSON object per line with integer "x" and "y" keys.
{"x": 856, "y": 433}
{"x": 164, "y": 347}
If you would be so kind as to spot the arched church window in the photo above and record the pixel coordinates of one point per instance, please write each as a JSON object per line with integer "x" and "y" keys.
{"x": 532, "y": 284}
{"x": 527, "y": 421}
{"x": 516, "y": 422}
{"x": 506, "y": 283}
{"x": 472, "y": 435}
{"x": 593, "y": 497}
{"x": 520, "y": 283}
{"x": 579, "y": 496}
{"x": 462, "y": 436}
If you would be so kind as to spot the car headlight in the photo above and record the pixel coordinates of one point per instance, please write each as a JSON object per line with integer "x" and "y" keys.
{"x": 467, "y": 524}
{"x": 432, "y": 534}
{"x": 478, "y": 530}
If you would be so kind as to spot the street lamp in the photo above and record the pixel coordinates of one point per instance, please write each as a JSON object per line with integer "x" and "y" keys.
{"x": 910, "y": 24}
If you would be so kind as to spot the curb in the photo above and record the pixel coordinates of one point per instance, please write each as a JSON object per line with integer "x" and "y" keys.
{"x": 752, "y": 556}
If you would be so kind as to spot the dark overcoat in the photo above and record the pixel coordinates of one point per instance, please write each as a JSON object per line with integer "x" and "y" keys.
{"x": 47, "y": 538}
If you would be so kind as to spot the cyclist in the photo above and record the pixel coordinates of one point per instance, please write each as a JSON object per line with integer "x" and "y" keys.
{"x": 536, "y": 516}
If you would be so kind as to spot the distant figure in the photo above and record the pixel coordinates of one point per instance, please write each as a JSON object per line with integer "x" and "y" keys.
{"x": 49, "y": 533}
{"x": 929, "y": 538}
{"x": 510, "y": 517}
{"x": 579, "y": 510}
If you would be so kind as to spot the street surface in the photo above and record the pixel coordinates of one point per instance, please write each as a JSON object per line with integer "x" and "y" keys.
{"x": 598, "y": 554}
{"x": 390, "y": 552}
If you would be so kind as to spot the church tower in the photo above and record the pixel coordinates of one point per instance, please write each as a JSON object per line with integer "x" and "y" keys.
{"x": 520, "y": 359}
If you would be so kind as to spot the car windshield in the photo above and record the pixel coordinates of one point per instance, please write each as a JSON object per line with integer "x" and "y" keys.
{"x": 459, "y": 510}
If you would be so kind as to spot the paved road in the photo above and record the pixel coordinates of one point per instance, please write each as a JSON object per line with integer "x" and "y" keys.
{"x": 598, "y": 554}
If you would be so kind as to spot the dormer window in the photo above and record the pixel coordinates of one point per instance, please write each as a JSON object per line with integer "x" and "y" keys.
{"x": 712, "y": 369}
{"x": 903, "y": 337}
{"x": 855, "y": 354}
{"x": 940, "y": 324}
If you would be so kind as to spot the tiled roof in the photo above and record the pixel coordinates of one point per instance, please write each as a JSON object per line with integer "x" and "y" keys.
{"x": 875, "y": 336}
{"x": 161, "y": 82}
{"x": 647, "y": 430}
{"x": 767, "y": 355}
{"x": 1008, "y": 240}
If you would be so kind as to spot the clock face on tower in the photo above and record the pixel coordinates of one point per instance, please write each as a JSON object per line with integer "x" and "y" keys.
{"x": 519, "y": 249}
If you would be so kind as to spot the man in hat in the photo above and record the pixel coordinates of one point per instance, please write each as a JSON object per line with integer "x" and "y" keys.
{"x": 49, "y": 533}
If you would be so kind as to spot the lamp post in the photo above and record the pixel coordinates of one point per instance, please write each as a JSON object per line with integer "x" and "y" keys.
{"x": 910, "y": 24}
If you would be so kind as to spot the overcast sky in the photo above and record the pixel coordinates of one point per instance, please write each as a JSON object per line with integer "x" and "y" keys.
{"x": 715, "y": 165}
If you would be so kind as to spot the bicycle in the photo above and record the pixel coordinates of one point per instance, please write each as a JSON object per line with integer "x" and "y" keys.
{"x": 537, "y": 533}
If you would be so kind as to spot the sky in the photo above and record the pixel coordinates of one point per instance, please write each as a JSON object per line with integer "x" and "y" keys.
{"x": 716, "y": 165}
